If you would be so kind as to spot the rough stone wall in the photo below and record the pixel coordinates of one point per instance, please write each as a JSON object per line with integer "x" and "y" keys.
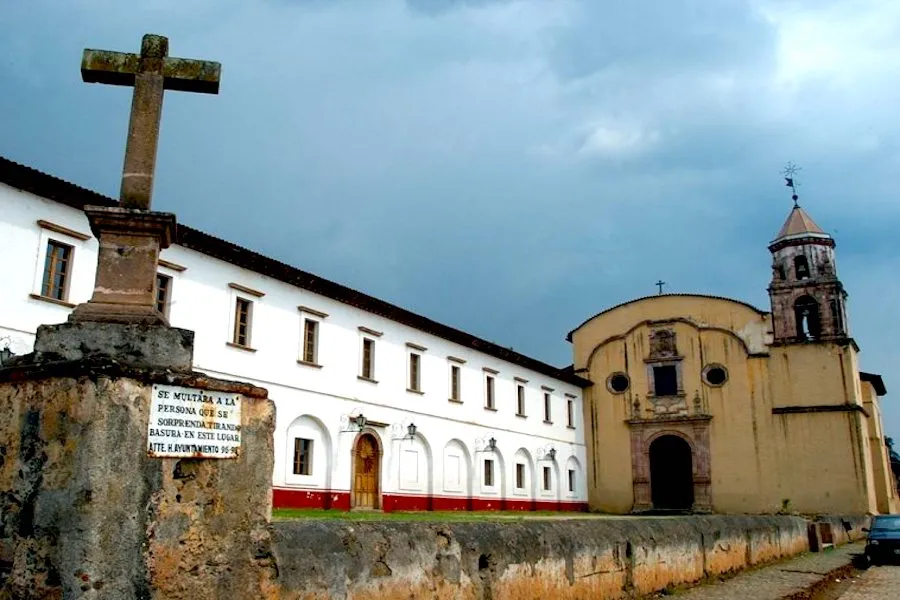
{"x": 85, "y": 513}
{"x": 565, "y": 559}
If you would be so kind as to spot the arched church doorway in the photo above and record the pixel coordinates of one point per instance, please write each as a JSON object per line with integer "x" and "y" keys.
{"x": 671, "y": 473}
{"x": 366, "y": 472}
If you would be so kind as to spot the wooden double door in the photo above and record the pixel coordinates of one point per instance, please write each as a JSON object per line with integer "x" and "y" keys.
{"x": 366, "y": 473}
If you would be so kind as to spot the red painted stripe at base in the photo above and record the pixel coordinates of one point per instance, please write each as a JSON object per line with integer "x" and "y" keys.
{"x": 340, "y": 500}
{"x": 285, "y": 498}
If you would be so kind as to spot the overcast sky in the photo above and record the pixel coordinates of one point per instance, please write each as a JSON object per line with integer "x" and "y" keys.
{"x": 507, "y": 167}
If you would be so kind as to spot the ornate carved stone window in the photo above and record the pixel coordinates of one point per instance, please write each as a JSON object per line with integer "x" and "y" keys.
{"x": 664, "y": 364}
{"x": 715, "y": 375}
{"x": 662, "y": 344}
{"x": 618, "y": 383}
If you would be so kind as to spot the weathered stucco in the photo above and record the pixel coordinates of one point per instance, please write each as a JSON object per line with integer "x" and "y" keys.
{"x": 86, "y": 513}
{"x": 521, "y": 560}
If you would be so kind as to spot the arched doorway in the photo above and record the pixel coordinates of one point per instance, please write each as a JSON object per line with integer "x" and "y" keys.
{"x": 671, "y": 473}
{"x": 366, "y": 472}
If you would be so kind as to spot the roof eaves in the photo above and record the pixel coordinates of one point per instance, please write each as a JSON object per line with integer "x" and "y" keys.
{"x": 876, "y": 381}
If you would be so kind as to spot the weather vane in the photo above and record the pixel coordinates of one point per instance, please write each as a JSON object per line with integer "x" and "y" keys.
{"x": 789, "y": 173}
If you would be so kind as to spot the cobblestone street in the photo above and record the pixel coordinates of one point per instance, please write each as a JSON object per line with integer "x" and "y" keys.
{"x": 875, "y": 583}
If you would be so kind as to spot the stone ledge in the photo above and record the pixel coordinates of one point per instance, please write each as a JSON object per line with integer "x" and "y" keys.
{"x": 22, "y": 370}
{"x": 154, "y": 347}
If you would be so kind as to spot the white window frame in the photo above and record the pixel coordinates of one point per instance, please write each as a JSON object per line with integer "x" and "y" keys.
{"x": 419, "y": 351}
{"x": 312, "y": 450}
{"x": 489, "y": 375}
{"x": 47, "y": 236}
{"x": 571, "y": 411}
{"x": 451, "y": 368}
{"x": 362, "y": 353}
{"x": 232, "y": 316}
{"x": 493, "y": 485}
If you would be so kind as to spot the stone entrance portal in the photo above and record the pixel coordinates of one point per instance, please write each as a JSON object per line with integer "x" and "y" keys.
{"x": 366, "y": 472}
{"x": 671, "y": 478}
{"x": 670, "y": 463}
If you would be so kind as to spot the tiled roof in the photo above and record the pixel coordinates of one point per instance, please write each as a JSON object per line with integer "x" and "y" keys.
{"x": 47, "y": 186}
{"x": 798, "y": 223}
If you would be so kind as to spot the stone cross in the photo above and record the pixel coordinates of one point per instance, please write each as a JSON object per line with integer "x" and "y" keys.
{"x": 150, "y": 73}
{"x": 131, "y": 235}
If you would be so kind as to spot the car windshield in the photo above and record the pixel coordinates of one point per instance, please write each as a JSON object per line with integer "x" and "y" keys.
{"x": 886, "y": 524}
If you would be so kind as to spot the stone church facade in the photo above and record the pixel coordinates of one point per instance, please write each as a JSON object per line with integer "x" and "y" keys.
{"x": 728, "y": 408}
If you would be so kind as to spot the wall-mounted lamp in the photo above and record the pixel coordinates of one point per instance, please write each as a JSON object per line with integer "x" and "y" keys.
{"x": 411, "y": 430}
{"x": 552, "y": 453}
{"x": 5, "y": 355}
{"x": 492, "y": 444}
{"x": 360, "y": 421}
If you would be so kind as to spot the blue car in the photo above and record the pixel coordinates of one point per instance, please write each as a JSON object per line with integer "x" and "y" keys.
{"x": 883, "y": 540}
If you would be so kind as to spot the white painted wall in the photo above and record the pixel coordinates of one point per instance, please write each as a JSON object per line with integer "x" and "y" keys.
{"x": 445, "y": 458}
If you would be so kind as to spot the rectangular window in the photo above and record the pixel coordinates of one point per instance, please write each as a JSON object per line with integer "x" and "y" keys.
{"x": 489, "y": 391}
{"x": 571, "y": 480}
{"x": 547, "y": 418}
{"x": 547, "y": 479}
{"x": 520, "y": 476}
{"x": 368, "y": 358}
{"x": 415, "y": 382}
{"x": 302, "y": 456}
{"x": 665, "y": 381}
{"x": 310, "y": 341}
{"x": 454, "y": 382}
{"x": 520, "y": 400}
{"x": 488, "y": 472}
{"x": 56, "y": 270}
{"x": 243, "y": 310}
{"x": 163, "y": 289}
{"x": 570, "y": 413}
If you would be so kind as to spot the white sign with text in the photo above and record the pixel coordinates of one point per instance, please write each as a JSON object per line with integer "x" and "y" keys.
{"x": 187, "y": 422}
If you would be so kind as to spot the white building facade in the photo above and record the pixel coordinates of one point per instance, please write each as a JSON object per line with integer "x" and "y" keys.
{"x": 377, "y": 407}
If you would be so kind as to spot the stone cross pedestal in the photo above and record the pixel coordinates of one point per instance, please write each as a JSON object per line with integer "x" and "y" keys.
{"x": 125, "y": 285}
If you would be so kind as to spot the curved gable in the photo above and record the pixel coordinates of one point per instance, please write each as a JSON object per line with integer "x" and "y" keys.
{"x": 744, "y": 320}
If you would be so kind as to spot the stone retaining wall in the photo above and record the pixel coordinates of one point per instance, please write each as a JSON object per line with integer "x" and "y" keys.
{"x": 559, "y": 559}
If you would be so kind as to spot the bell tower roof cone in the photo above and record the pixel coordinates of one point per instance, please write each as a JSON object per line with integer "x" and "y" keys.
{"x": 799, "y": 224}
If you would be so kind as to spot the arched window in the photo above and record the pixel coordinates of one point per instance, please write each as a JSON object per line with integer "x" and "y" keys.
{"x": 837, "y": 314}
{"x": 801, "y": 267}
{"x": 806, "y": 315}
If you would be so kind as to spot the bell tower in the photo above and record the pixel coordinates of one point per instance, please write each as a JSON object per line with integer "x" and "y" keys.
{"x": 808, "y": 300}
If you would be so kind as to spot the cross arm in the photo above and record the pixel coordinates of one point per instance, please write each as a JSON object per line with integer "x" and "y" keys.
{"x": 181, "y": 74}
{"x": 114, "y": 68}
{"x": 189, "y": 75}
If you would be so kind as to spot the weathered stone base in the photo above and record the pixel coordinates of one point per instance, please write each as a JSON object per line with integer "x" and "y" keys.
{"x": 141, "y": 346}
{"x": 85, "y": 513}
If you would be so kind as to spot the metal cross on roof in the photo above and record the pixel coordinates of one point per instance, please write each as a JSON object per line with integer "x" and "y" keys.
{"x": 660, "y": 285}
{"x": 150, "y": 73}
{"x": 789, "y": 172}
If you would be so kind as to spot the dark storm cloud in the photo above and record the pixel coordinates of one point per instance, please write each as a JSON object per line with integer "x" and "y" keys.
{"x": 509, "y": 167}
